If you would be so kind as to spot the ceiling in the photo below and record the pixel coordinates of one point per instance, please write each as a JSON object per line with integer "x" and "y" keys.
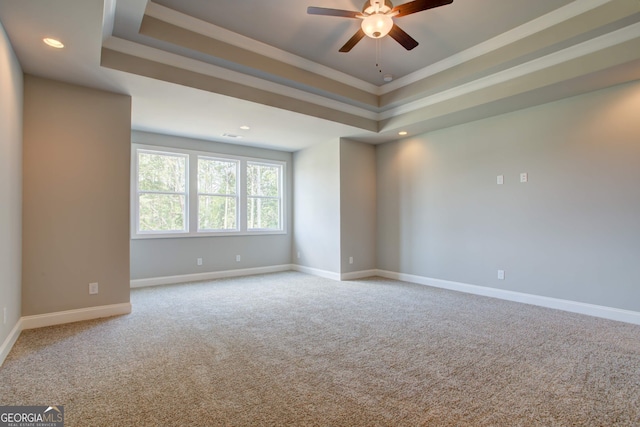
{"x": 203, "y": 68}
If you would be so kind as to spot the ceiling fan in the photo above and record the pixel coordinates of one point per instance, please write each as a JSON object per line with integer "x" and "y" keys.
{"x": 377, "y": 19}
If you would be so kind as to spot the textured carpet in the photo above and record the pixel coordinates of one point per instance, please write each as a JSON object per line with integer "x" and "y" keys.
{"x": 292, "y": 349}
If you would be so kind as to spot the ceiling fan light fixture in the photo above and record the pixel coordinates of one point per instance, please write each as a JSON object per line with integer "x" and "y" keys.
{"x": 377, "y": 20}
{"x": 377, "y": 25}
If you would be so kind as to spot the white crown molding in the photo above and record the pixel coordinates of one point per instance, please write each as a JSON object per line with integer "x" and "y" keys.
{"x": 560, "y": 15}
{"x": 594, "y": 45}
{"x": 178, "y": 61}
{"x": 605, "y": 312}
{"x": 69, "y": 316}
{"x": 207, "y": 29}
{"x": 222, "y": 34}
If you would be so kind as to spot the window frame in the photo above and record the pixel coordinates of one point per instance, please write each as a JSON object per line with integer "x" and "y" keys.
{"x": 192, "y": 205}
{"x": 136, "y": 195}
{"x": 279, "y": 198}
{"x": 237, "y": 197}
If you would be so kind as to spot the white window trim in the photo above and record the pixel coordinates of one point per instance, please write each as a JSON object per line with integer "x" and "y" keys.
{"x": 192, "y": 204}
{"x": 136, "y": 193}
{"x": 280, "y": 187}
{"x": 237, "y": 196}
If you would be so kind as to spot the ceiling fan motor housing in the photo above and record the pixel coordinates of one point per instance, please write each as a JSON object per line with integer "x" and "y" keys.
{"x": 383, "y": 5}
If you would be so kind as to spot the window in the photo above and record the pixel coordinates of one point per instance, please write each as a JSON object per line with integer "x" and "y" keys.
{"x": 264, "y": 200}
{"x": 162, "y": 192}
{"x": 217, "y": 194}
{"x": 182, "y": 193}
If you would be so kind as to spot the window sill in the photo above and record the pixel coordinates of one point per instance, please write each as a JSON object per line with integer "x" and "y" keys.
{"x": 207, "y": 234}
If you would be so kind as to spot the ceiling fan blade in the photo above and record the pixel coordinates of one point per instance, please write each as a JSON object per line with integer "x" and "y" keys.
{"x": 418, "y": 6}
{"x": 403, "y": 38}
{"x": 332, "y": 12}
{"x": 353, "y": 41}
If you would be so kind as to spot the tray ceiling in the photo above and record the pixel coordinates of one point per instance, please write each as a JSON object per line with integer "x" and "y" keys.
{"x": 202, "y": 68}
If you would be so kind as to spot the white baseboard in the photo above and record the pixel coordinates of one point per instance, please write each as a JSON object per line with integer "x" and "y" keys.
{"x": 197, "y": 277}
{"x": 60, "y": 317}
{"x": 605, "y": 312}
{"x": 354, "y": 275}
{"x": 316, "y": 272}
{"x": 8, "y": 343}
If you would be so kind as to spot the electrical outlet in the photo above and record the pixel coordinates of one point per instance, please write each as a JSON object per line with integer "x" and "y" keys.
{"x": 350, "y": 260}
{"x": 500, "y": 274}
{"x": 199, "y": 261}
{"x": 298, "y": 254}
{"x": 524, "y": 177}
{"x": 93, "y": 288}
{"x": 237, "y": 258}
{"x": 500, "y": 180}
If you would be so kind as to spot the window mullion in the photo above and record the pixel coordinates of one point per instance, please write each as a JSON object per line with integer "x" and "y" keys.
{"x": 192, "y": 206}
{"x": 243, "y": 207}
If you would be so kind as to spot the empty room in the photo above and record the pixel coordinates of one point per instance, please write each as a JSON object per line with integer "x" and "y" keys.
{"x": 320, "y": 213}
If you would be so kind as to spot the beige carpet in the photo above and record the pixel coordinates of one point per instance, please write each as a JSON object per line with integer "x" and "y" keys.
{"x": 292, "y": 349}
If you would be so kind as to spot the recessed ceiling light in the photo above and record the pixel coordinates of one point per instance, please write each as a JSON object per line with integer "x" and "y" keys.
{"x": 403, "y": 133}
{"x": 53, "y": 43}
{"x": 231, "y": 135}
{"x": 245, "y": 127}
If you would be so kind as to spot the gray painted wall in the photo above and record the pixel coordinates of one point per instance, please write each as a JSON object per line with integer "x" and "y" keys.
{"x": 75, "y": 196}
{"x": 316, "y": 196}
{"x": 357, "y": 206}
{"x": 11, "y": 85}
{"x": 152, "y": 258}
{"x": 571, "y": 232}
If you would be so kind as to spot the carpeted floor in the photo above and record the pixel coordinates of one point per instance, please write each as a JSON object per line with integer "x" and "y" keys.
{"x": 292, "y": 349}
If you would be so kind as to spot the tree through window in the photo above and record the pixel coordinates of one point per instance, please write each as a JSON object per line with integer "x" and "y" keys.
{"x": 183, "y": 193}
{"x": 217, "y": 194}
{"x": 162, "y": 192}
{"x": 264, "y": 182}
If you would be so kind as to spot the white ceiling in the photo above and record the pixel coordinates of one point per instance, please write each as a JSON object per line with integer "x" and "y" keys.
{"x": 465, "y": 67}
